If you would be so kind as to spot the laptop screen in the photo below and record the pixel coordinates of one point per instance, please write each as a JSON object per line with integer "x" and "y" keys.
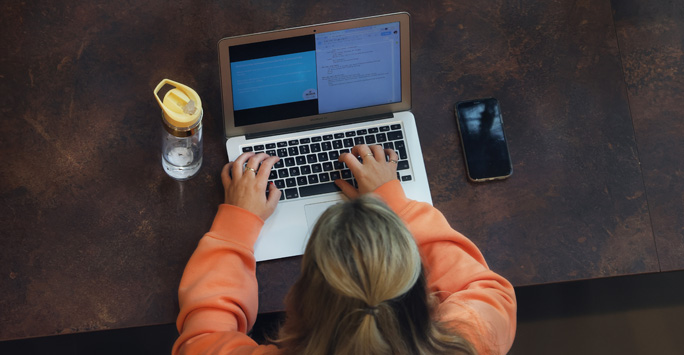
{"x": 315, "y": 74}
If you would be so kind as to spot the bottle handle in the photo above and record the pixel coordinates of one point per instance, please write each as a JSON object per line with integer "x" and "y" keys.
{"x": 175, "y": 118}
{"x": 161, "y": 84}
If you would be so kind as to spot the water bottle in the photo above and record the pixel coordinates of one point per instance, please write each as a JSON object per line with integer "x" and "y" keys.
{"x": 181, "y": 130}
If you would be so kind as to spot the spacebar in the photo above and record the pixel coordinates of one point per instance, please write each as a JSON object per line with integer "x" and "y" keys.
{"x": 318, "y": 189}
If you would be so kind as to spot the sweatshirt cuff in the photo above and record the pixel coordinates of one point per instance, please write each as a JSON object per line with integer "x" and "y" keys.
{"x": 393, "y": 194}
{"x": 237, "y": 225}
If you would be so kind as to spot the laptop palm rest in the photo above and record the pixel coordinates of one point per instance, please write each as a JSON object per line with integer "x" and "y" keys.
{"x": 314, "y": 211}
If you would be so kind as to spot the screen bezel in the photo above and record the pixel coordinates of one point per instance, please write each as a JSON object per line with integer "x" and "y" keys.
{"x": 321, "y": 119}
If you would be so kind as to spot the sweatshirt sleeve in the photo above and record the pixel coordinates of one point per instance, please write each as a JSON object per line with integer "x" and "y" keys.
{"x": 218, "y": 292}
{"x": 468, "y": 291}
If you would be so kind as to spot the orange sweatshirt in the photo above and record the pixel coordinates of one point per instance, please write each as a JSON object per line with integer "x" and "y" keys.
{"x": 218, "y": 291}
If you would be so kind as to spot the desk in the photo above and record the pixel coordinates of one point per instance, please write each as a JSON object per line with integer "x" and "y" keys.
{"x": 96, "y": 236}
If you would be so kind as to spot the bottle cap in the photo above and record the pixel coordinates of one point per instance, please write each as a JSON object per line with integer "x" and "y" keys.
{"x": 182, "y": 106}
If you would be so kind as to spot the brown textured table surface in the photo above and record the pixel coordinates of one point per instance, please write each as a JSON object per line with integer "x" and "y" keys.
{"x": 95, "y": 235}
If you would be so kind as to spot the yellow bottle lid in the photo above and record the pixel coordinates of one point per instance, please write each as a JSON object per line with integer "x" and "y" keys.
{"x": 182, "y": 106}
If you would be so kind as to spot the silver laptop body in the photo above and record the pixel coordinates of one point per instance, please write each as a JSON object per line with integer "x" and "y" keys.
{"x": 307, "y": 94}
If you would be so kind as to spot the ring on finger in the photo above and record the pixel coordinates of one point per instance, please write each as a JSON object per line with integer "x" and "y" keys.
{"x": 394, "y": 161}
{"x": 368, "y": 155}
{"x": 253, "y": 170}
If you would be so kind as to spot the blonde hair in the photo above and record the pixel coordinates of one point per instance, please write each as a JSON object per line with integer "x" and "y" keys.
{"x": 362, "y": 289}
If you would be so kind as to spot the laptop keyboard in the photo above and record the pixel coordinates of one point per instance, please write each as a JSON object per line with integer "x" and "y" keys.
{"x": 308, "y": 164}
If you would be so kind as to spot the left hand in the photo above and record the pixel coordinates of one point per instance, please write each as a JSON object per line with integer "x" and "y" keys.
{"x": 246, "y": 187}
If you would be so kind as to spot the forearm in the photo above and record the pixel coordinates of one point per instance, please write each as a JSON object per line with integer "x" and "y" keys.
{"x": 218, "y": 291}
{"x": 456, "y": 270}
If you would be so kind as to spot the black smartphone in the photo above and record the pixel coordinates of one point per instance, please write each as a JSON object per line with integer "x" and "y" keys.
{"x": 483, "y": 140}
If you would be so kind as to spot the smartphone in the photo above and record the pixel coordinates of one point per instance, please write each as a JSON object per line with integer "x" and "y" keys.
{"x": 483, "y": 140}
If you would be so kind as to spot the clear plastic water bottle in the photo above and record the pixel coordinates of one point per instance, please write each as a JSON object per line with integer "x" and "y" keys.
{"x": 181, "y": 130}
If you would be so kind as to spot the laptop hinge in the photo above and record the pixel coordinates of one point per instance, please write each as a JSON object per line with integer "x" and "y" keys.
{"x": 317, "y": 126}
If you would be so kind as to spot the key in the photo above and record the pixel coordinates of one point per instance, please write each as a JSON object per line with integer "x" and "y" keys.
{"x": 324, "y": 177}
{"x": 312, "y": 190}
{"x": 394, "y": 135}
{"x": 291, "y": 193}
{"x": 401, "y": 149}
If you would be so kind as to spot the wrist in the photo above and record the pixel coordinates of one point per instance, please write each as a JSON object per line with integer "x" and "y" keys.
{"x": 236, "y": 224}
{"x": 393, "y": 194}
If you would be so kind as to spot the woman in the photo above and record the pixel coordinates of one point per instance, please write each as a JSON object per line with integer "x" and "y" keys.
{"x": 370, "y": 284}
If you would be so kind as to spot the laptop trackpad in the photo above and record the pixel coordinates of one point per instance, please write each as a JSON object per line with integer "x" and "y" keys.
{"x": 315, "y": 210}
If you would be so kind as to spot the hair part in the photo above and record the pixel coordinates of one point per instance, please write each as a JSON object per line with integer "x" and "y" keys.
{"x": 362, "y": 289}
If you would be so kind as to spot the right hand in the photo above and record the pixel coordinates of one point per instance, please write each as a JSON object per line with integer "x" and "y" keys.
{"x": 375, "y": 171}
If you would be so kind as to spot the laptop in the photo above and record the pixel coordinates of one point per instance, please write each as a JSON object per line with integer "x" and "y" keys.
{"x": 308, "y": 94}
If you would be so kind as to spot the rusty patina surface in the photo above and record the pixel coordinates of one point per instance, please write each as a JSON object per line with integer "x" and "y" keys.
{"x": 95, "y": 235}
